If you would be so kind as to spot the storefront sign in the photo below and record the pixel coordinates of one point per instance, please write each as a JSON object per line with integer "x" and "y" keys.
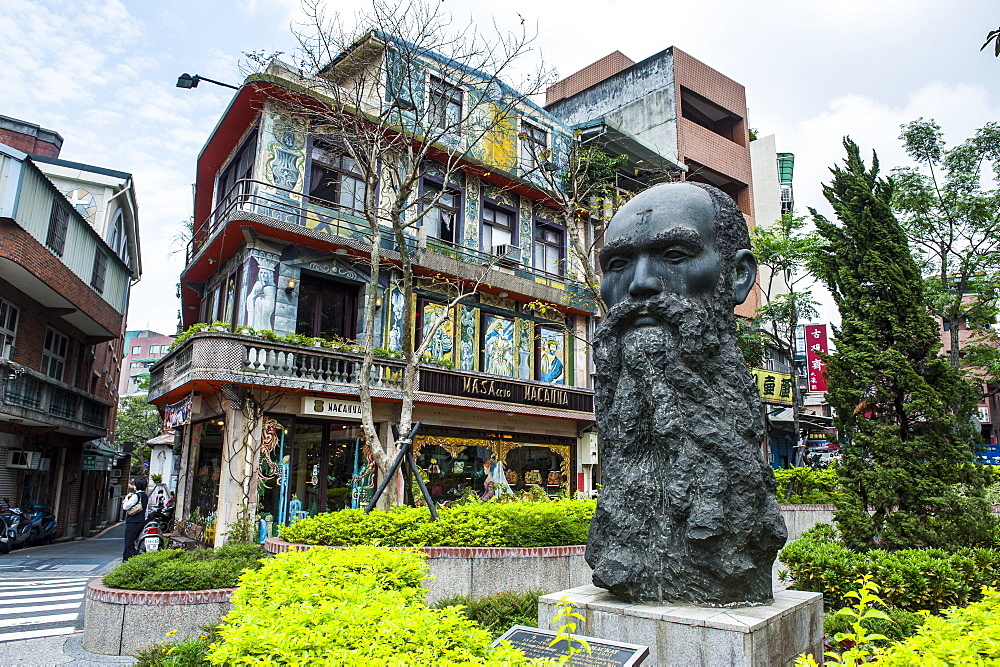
{"x": 331, "y": 407}
{"x": 774, "y": 388}
{"x": 517, "y": 393}
{"x": 984, "y": 414}
{"x": 816, "y": 341}
{"x": 95, "y": 462}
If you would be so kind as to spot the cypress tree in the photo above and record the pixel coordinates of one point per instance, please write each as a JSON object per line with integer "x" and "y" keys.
{"x": 904, "y": 415}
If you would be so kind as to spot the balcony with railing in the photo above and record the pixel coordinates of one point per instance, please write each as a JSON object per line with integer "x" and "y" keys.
{"x": 36, "y": 399}
{"x": 216, "y": 357}
{"x": 256, "y": 201}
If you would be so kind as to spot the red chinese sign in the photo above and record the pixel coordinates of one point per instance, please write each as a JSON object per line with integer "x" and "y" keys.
{"x": 815, "y": 342}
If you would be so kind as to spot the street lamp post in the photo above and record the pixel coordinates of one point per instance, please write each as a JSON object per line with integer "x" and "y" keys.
{"x": 188, "y": 81}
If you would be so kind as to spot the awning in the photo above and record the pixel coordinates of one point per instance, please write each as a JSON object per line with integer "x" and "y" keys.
{"x": 101, "y": 447}
{"x": 162, "y": 439}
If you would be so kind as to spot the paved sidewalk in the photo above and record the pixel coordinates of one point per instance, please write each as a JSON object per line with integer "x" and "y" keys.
{"x": 67, "y": 650}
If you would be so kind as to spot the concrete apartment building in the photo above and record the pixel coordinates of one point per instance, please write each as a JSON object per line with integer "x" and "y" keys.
{"x": 69, "y": 254}
{"x": 141, "y": 350}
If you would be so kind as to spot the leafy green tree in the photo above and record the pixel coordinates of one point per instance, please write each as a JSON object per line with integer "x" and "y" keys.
{"x": 953, "y": 225}
{"x": 783, "y": 250}
{"x": 903, "y": 413}
{"x": 137, "y": 422}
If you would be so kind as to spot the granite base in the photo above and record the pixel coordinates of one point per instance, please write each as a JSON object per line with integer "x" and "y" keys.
{"x": 689, "y": 636}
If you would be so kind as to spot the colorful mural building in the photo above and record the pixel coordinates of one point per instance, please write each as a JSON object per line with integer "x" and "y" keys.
{"x": 69, "y": 254}
{"x": 267, "y": 416}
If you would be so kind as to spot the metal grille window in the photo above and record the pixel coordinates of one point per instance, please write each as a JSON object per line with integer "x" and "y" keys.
{"x": 100, "y": 269}
{"x": 445, "y": 105}
{"x": 439, "y": 220}
{"x": 58, "y": 224}
{"x": 8, "y": 329}
{"x": 336, "y": 179}
{"x": 548, "y": 251}
{"x": 54, "y": 354}
{"x": 534, "y": 142}
{"x": 497, "y": 225}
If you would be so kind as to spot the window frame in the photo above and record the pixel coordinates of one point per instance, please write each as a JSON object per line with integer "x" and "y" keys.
{"x": 9, "y": 317}
{"x": 442, "y": 96}
{"x": 428, "y": 183}
{"x": 100, "y": 271}
{"x": 55, "y": 239}
{"x": 136, "y": 349}
{"x": 225, "y": 191}
{"x": 335, "y": 165}
{"x": 544, "y": 225}
{"x": 495, "y": 208}
{"x": 52, "y": 356}
{"x": 529, "y": 161}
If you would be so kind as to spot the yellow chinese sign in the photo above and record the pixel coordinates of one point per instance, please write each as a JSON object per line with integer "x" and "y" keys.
{"x": 774, "y": 387}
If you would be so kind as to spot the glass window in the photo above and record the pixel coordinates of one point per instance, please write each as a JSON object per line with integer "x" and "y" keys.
{"x": 335, "y": 179}
{"x": 136, "y": 349}
{"x": 239, "y": 168}
{"x": 99, "y": 271}
{"x": 58, "y": 223}
{"x": 116, "y": 238}
{"x": 8, "y": 329}
{"x": 440, "y": 220}
{"x": 497, "y": 226}
{"x": 326, "y": 310}
{"x": 445, "y": 105}
{"x": 534, "y": 142}
{"x": 54, "y": 354}
{"x": 548, "y": 251}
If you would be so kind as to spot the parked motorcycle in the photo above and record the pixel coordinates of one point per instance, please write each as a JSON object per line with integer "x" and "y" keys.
{"x": 153, "y": 536}
{"x": 43, "y": 524}
{"x": 16, "y": 528}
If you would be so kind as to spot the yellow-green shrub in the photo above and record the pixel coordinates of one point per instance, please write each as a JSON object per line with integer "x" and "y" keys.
{"x": 359, "y": 606}
{"x": 515, "y": 524}
{"x": 963, "y": 636}
{"x": 810, "y": 486}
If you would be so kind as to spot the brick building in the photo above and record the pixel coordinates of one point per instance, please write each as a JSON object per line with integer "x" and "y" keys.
{"x": 68, "y": 257}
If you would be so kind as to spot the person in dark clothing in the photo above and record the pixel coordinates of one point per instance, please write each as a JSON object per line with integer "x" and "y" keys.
{"x": 135, "y": 505}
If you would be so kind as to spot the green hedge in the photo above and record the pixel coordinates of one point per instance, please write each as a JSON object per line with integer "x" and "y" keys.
{"x": 963, "y": 636}
{"x": 179, "y": 570}
{"x": 810, "y": 486}
{"x": 497, "y": 613}
{"x": 910, "y": 579}
{"x": 514, "y": 524}
{"x": 361, "y": 606}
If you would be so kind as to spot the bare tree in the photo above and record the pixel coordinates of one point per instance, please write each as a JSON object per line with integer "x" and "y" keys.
{"x": 398, "y": 89}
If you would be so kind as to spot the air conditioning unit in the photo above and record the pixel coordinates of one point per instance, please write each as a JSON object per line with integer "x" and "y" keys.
{"x": 508, "y": 254}
{"x": 23, "y": 460}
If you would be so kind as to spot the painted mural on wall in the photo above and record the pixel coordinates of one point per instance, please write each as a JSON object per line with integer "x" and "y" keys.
{"x": 283, "y": 138}
{"x": 83, "y": 201}
{"x": 396, "y": 310}
{"x": 524, "y": 233}
{"x": 498, "y": 343}
{"x": 524, "y": 356}
{"x": 552, "y": 360}
{"x": 471, "y": 212}
{"x": 443, "y": 338}
{"x": 468, "y": 337}
{"x": 261, "y": 275}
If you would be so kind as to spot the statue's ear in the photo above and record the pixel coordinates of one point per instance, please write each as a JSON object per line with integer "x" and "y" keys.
{"x": 746, "y": 274}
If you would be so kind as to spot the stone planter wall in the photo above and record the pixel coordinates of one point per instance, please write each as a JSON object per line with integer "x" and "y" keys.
{"x": 123, "y": 622}
{"x": 800, "y": 518}
{"x": 480, "y": 571}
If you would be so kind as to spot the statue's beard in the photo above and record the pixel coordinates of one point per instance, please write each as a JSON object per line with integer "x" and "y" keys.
{"x": 680, "y": 427}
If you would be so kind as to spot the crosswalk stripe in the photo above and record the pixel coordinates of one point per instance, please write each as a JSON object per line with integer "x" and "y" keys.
{"x": 63, "y": 581}
{"x": 61, "y": 589}
{"x": 40, "y": 607}
{"x": 34, "y": 634}
{"x": 53, "y": 598}
{"x": 39, "y": 620}
{"x": 50, "y": 588}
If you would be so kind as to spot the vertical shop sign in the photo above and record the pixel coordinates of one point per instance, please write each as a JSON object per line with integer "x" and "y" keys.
{"x": 816, "y": 342}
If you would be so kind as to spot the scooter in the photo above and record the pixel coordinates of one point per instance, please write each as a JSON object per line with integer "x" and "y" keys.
{"x": 15, "y": 526}
{"x": 153, "y": 536}
{"x": 43, "y": 524}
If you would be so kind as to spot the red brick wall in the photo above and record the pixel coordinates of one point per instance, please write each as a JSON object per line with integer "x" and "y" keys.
{"x": 27, "y": 143}
{"x": 607, "y": 66}
{"x": 710, "y": 83}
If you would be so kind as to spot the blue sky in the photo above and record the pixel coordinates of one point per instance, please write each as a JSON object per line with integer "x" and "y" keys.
{"x": 102, "y": 74}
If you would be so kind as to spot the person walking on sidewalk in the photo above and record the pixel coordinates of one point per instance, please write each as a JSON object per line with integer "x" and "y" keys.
{"x": 135, "y": 505}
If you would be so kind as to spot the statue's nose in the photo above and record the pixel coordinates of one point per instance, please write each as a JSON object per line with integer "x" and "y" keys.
{"x": 645, "y": 282}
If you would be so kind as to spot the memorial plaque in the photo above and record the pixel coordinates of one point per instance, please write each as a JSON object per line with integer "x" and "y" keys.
{"x": 534, "y": 643}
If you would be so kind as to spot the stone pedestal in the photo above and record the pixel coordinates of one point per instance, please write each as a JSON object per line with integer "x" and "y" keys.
{"x": 765, "y": 636}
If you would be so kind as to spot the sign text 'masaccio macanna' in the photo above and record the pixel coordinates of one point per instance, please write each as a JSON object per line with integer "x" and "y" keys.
{"x": 331, "y": 407}
{"x": 500, "y": 390}
{"x": 506, "y": 391}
